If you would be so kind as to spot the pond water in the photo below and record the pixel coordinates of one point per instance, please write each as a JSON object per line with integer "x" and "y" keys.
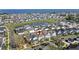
{"x": 40, "y": 24}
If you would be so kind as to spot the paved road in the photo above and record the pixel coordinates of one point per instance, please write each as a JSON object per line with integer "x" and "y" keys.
{"x": 12, "y": 40}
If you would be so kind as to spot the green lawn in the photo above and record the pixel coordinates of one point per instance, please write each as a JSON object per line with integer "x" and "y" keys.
{"x": 13, "y": 25}
{"x": 35, "y": 21}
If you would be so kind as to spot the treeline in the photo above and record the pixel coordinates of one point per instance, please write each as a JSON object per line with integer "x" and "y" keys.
{"x": 72, "y": 18}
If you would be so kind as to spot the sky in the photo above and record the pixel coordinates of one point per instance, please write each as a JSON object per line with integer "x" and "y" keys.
{"x": 33, "y": 4}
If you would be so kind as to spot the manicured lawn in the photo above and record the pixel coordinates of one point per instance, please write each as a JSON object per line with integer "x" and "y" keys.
{"x": 14, "y": 25}
{"x": 35, "y": 21}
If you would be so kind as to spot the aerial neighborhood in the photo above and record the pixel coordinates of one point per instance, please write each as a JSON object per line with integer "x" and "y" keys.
{"x": 39, "y": 31}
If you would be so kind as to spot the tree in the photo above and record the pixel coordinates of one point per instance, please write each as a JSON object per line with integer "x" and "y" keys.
{"x": 70, "y": 18}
